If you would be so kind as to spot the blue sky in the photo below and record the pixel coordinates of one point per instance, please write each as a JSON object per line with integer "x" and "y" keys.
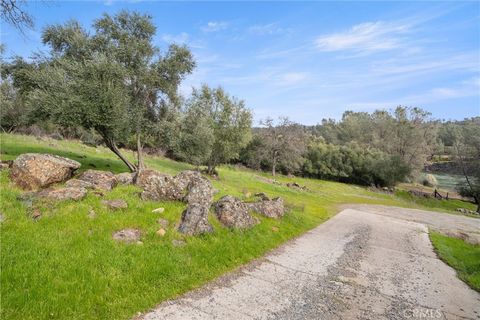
{"x": 310, "y": 60}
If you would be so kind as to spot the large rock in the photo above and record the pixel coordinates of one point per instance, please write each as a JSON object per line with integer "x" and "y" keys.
{"x": 75, "y": 183}
{"x": 68, "y": 193}
{"x": 158, "y": 186}
{"x": 233, "y": 213}
{"x": 199, "y": 191}
{"x": 183, "y": 179}
{"x": 195, "y": 220}
{"x": 32, "y": 171}
{"x": 270, "y": 208}
{"x": 188, "y": 186}
{"x": 103, "y": 180}
{"x": 146, "y": 178}
{"x": 199, "y": 198}
{"x": 125, "y": 177}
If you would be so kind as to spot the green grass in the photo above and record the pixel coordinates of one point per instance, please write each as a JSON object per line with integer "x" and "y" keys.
{"x": 462, "y": 256}
{"x": 66, "y": 265}
{"x": 437, "y": 204}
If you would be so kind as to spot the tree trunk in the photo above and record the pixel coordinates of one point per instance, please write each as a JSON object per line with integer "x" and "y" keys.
{"x": 274, "y": 163}
{"x": 113, "y": 147}
{"x": 210, "y": 169}
{"x": 274, "y": 167}
{"x": 141, "y": 163}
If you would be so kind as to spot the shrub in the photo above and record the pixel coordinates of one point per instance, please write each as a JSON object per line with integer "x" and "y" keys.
{"x": 354, "y": 164}
{"x": 91, "y": 138}
{"x": 429, "y": 180}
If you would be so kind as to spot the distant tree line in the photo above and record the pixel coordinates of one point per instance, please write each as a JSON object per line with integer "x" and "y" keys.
{"x": 113, "y": 86}
{"x": 379, "y": 148}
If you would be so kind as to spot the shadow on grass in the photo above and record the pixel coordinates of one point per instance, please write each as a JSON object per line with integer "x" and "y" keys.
{"x": 89, "y": 157}
{"x": 88, "y": 162}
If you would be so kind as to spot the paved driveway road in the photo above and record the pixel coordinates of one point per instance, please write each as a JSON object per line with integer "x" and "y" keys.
{"x": 367, "y": 262}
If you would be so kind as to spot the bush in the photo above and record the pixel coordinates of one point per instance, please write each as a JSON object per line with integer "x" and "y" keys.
{"x": 91, "y": 138}
{"x": 429, "y": 180}
{"x": 56, "y": 136}
{"x": 14, "y": 113}
{"x": 354, "y": 164}
{"x": 389, "y": 171}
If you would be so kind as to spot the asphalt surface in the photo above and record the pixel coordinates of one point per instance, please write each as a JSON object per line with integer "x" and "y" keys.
{"x": 367, "y": 262}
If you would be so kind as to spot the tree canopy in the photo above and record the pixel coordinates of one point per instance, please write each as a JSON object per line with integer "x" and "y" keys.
{"x": 406, "y": 132}
{"x": 280, "y": 144}
{"x": 215, "y": 129}
{"x": 113, "y": 80}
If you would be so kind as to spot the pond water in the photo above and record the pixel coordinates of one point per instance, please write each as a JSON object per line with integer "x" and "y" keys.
{"x": 449, "y": 181}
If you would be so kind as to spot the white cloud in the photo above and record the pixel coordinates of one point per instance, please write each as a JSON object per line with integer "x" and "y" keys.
{"x": 213, "y": 26}
{"x": 183, "y": 38}
{"x": 468, "y": 88}
{"x": 463, "y": 61}
{"x": 268, "y": 29}
{"x": 365, "y": 37}
{"x": 446, "y": 92}
{"x": 180, "y": 38}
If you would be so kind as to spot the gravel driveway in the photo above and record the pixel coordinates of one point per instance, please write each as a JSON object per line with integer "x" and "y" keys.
{"x": 367, "y": 262}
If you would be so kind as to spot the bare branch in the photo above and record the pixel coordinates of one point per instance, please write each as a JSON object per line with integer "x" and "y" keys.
{"x": 12, "y": 12}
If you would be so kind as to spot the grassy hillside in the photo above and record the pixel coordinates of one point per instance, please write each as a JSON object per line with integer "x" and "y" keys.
{"x": 66, "y": 265}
